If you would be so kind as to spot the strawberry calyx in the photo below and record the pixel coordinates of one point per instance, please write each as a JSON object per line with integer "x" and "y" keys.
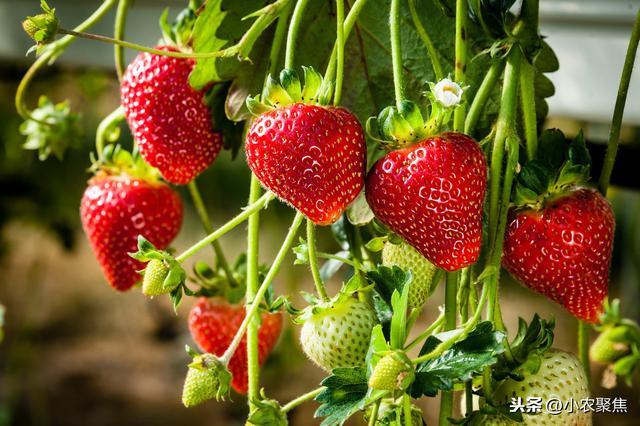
{"x": 207, "y": 378}
{"x": 526, "y": 349}
{"x": 266, "y": 412}
{"x": 560, "y": 168}
{"x": 163, "y": 274}
{"x": 179, "y": 32}
{"x": 117, "y": 161}
{"x": 42, "y": 28}
{"x": 288, "y": 90}
{"x": 404, "y": 124}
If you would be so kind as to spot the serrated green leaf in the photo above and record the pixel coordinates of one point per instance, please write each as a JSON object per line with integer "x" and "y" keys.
{"x": 344, "y": 394}
{"x": 387, "y": 280}
{"x": 469, "y": 356}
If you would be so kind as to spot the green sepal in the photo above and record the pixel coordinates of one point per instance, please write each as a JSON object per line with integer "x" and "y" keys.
{"x": 179, "y": 32}
{"x": 376, "y": 244}
{"x": 288, "y": 90}
{"x": 266, "y": 412}
{"x": 400, "y": 305}
{"x": 207, "y": 378}
{"x": 395, "y": 127}
{"x": 42, "y": 28}
{"x": 51, "y": 129}
{"x": 312, "y": 82}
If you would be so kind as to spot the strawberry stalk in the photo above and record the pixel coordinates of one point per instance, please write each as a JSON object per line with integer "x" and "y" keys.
{"x": 435, "y": 326}
{"x": 480, "y": 99}
{"x": 118, "y": 34}
{"x": 246, "y": 213}
{"x": 201, "y": 209}
{"x": 396, "y": 52}
{"x": 450, "y": 308}
{"x": 349, "y": 22}
{"x": 340, "y": 49}
{"x": 313, "y": 260}
{"x": 253, "y": 281}
{"x": 301, "y": 399}
{"x": 528, "y": 105}
{"x": 461, "y": 59}
{"x": 426, "y": 40}
{"x": 254, "y": 304}
{"x": 292, "y": 35}
{"x": 106, "y": 130}
{"x": 52, "y": 51}
{"x": 506, "y": 119}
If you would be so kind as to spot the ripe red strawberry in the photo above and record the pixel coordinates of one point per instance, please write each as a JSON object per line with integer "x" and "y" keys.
{"x": 311, "y": 156}
{"x": 115, "y": 210}
{"x": 564, "y": 250}
{"x": 168, "y": 118}
{"x": 213, "y": 323}
{"x": 431, "y": 194}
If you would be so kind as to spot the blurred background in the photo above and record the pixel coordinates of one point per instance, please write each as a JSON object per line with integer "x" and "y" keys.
{"x": 77, "y": 353}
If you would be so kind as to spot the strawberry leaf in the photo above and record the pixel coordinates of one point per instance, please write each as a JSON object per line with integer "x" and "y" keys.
{"x": 345, "y": 393}
{"x": 469, "y": 356}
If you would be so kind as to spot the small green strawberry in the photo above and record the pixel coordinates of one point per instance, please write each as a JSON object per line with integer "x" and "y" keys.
{"x": 207, "y": 378}
{"x": 336, "y": 333}
{"x": 560, "y": 376}
{"x": 394, "y": 371}
{"x": 154, "y": 276}
{"x": 406, "y": 257}
{"x": 610, "y": 346}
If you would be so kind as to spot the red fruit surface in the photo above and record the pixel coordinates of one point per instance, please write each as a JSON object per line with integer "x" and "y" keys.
{"x": 431, "y": 194}
{"x": 564, "y": 250}
{"x": 168, "y": 118}
{"x": 115, "y": 210}
{"x": 312, "y": 157}
{"x": 213, "y": 324}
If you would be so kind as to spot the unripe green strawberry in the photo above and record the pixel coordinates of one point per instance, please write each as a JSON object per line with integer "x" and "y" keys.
{"x": 154, "y": 276}
{"x": 336, "y": 333}
{"x": 606, "y": 349}
{"x": 562, "y": 377}
{"x": 206, "y": 379}
{"x": 394, "y": 371}
{"x": 409, "y": 259}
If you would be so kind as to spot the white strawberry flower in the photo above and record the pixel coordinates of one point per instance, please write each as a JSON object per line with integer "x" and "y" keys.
{"x": 448, "y": 93}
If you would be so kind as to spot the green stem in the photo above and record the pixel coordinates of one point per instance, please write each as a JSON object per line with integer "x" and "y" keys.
{"x": 244, "y": 215}
{"x": 340, "y": 46}
{"x": 51, "y": 52}
{"x": 406, "y": 406}
{"x": 431, "y": 49}
{"x": 618, "y": 111}
{"x": 583, "y": 347}
{"x": 396, "y": 52}
{"x": 278, "y": 38}
{"x": 428, "y": 332}
{"x": 506, "y": 118}
{"x": 118, "y": 34}
{"x": 461, "y": 60}
{"x": 468, "y": 326}
{"x": 201, "y": 209}
{"x": 253, "y": 282}
{"x": 294, "y": 26}
{"x": 374, "y": 413}
{"x": 299, "y": 400}
{"x": 349, "y": 22}
{"x": 528, "y": 105}
{"x": 355, "y": 264}
{"x": 481, "y": 97}
{"x": 313, "y": 260}
{"x": 450, "y": 308}
{"x": 228, "y": 52}
{"x": 254, "y": 304}
{"x": 114, "y": 117}
{"x": 468, "y": 397}
{"x": 530, "y": 14}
